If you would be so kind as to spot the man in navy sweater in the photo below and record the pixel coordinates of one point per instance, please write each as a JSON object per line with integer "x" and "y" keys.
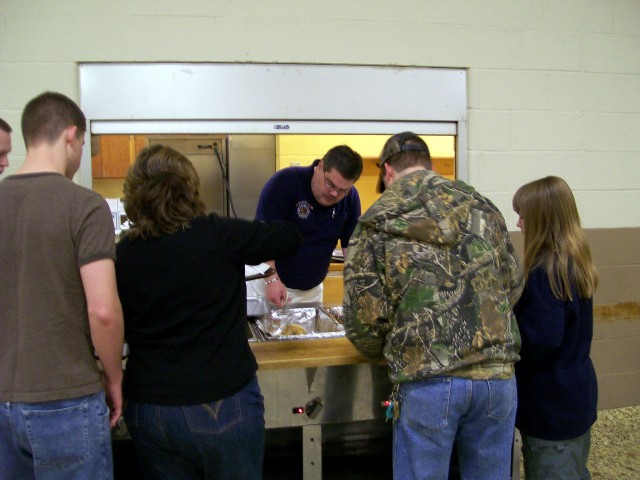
{"x": 321, "y": 201}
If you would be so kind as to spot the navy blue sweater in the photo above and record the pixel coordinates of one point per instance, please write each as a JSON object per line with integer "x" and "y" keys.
{"x": 557, "y": 387}
{"x": 287, "y": 196}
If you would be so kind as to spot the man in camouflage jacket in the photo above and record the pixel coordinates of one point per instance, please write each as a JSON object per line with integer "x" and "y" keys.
{"x": 430, "y": 281}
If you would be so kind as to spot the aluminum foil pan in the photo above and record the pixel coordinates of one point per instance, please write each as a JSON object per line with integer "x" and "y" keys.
{"x": 257, "y": 306}
{"x": 299, "y": 323}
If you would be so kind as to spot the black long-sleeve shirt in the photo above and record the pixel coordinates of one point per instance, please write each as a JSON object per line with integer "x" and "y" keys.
{"x": 184, "y": 302}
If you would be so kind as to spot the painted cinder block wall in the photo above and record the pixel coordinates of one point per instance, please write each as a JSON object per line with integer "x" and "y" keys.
{"x": 553, "y": 85}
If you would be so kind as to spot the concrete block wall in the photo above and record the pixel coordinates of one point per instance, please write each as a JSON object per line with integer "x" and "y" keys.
{"x": 615, "y": 350}
{"x": 615, "y": 353}
{"x": 554, "y": 86}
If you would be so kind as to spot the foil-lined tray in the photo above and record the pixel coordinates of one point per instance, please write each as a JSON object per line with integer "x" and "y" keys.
{"x": 257, "y": 306}
{"x": 299, "y": 323}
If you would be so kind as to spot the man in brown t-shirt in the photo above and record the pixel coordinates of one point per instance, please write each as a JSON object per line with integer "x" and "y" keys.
{"x": 58, "y": 304}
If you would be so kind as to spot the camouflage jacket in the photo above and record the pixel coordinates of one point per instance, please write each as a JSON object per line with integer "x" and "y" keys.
{"x": 430, "y": 280}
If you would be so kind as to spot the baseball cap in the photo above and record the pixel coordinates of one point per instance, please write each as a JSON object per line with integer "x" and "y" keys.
{"x": 401, "y": 142}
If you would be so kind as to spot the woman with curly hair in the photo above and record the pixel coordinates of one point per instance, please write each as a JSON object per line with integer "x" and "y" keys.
{"x": 193, "y": 403}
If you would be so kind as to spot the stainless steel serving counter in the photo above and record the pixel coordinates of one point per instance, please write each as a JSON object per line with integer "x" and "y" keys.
{"x": 319, "y": 382}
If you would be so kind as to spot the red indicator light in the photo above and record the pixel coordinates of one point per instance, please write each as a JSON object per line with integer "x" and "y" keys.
{"x": 297, "y": 410}
{"x": 386, "y": 403}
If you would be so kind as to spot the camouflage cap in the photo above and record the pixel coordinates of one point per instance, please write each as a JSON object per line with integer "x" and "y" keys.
{"x": 401, "y": 142}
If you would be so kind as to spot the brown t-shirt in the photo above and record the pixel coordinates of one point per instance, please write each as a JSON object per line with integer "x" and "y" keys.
{"x": 49, "y": 228}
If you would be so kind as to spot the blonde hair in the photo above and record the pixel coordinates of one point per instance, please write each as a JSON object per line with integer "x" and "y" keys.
{"x": 553, "y": 237}
{"x": 161, "y": 193}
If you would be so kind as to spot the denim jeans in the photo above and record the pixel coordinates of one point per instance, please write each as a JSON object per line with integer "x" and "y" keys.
{"x": 218, "y": 440}
{"x": 58, "y": 440}
{"x": 556, "y": 459}
{"x": 476, "y": 415}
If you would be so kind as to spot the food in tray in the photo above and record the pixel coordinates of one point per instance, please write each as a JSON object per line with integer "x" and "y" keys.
{"x": 275, "y": 321}
{"x": 337, "y": 313}
{"x": 301, "y": 321}
{"x": 293, "y": 329}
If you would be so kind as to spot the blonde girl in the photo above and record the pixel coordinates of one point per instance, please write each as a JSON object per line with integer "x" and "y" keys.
{"x": 557, "y": 387}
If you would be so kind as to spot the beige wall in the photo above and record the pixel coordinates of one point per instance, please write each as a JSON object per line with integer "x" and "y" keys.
{"x": 553, "y": 86}
{"x": 616, "y": 334}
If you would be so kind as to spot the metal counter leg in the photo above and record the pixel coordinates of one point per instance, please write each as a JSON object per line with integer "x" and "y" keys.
{"x": 515, "y": 455}
{"x": 312, "y": 452}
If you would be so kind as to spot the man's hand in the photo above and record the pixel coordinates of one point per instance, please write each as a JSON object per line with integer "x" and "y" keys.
{"x": 276, "y": 292}
{"x": 114, "y": 401}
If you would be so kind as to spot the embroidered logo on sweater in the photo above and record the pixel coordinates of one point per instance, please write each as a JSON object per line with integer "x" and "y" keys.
{"x": 304, "y": 209}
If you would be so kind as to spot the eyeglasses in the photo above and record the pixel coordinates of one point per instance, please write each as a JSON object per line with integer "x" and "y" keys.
{"x": 332, "y": 188}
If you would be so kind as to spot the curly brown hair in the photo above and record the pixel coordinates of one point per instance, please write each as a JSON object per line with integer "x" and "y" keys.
{"x": 161, "y": 193}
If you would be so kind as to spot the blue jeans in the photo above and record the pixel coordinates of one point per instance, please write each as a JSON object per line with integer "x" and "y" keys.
{"x": 58, "y": 440}
{"x": 477, "y": 415}
{"x": 222, "y": 439}
{"x": 556, "y": 459}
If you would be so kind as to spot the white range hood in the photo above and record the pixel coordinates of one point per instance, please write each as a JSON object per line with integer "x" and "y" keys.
{"x": 196, "y": 98}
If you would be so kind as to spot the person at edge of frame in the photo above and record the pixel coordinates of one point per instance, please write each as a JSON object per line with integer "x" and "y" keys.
{"x": 5, "y": 144}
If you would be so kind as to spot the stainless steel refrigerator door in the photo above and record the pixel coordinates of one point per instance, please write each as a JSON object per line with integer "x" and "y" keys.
{"x": 200, "y": 150}
{"x": 252, "y": 161}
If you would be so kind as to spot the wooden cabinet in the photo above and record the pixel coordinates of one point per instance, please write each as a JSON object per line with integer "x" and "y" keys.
{"x": 111, "y": 155}
{"x": 445, "y": 166}
{"x": 333, "y": 288}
